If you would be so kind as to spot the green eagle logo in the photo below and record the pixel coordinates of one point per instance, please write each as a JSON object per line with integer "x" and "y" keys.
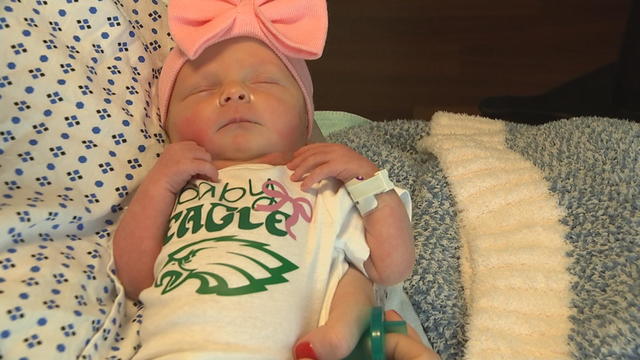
{"x": 225, "y": 266}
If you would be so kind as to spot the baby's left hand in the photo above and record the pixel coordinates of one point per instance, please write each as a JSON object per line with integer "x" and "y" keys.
{"x": 319, "y": 161}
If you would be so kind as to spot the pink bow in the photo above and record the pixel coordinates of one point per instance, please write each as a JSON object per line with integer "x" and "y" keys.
{"x": 297, "y": 28}
{"x": 283, "y": 195}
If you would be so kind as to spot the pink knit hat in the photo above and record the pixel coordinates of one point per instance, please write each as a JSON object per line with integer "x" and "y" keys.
{"x": 294, "y": 29}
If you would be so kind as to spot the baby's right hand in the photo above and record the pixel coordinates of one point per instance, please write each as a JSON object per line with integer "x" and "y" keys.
{"x": 178, "y": 163}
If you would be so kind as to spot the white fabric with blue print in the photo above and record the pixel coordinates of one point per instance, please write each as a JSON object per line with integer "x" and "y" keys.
{"x": 78, "y": 131}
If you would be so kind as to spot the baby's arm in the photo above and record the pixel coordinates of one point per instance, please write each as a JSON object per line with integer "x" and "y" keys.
{"x": 387, "y": 228}
{"x": 389, "y": 234}
{"x": 138, "y": 238}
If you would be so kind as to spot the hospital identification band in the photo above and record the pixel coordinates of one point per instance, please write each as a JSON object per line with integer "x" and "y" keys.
{"x": 363, "y": 192}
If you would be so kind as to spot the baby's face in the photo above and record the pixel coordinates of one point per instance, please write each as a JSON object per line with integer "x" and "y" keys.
{"x": 240, "y": 102}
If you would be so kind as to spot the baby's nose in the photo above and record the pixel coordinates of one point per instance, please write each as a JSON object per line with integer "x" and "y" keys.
{"x": 235, "y": 93}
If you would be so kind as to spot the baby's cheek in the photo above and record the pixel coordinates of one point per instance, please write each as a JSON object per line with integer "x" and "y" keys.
{"x": 190, "y": 128}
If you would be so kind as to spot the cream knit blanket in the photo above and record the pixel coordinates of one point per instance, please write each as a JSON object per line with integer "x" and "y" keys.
{"x": 513, "y": 261}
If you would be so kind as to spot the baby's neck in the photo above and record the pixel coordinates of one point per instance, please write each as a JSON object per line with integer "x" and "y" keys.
{"x": 270, "y": 159}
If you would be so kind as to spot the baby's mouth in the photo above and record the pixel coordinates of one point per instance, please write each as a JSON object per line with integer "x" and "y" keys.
{"x": 236, "y": 120}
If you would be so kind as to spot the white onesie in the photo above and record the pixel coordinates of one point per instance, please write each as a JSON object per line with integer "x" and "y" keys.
{"x": 250, "y": 263}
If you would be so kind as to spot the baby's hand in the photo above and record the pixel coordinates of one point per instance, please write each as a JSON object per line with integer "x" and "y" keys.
{"x": 178, "y": 163}
{"x": 322, "y": 160}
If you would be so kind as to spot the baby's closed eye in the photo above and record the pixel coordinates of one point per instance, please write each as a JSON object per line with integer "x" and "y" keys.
{"x": 266, "y": 79}
{"x": 205, "y": 84}
{"x": 203, "y": 90}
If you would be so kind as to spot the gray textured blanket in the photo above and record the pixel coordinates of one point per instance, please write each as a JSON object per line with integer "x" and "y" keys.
{"x": 591, "y": 165}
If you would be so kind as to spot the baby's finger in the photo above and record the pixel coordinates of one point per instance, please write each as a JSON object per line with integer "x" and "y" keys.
{"x": 302, "y": 154}
{"x": 202, "y": 154}
{"x": 294, "y": 163}
{"x": 192, "y": 167}
{"x": 197, "y": 152}
{"x": 392, "y": 315}
{"x": 206, "y": 170}
{"x": 316, "y": 175}
{"x": 306, "y": 164}
{"x": 309, "y": 147}
{"x": 185, "y": 150}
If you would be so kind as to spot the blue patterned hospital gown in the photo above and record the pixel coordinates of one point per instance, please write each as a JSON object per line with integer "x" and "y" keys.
{"x": 78, "y": 131}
